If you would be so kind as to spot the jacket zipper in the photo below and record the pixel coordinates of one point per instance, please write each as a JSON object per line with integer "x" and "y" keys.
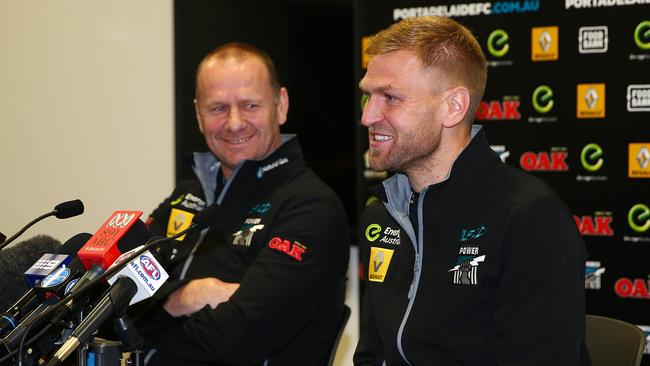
{"x": 417, "y": 268}
{"x": 190, "y": 258}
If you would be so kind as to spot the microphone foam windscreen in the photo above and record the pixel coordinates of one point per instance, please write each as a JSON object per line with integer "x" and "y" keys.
{"x": 137, "y": 235}
{"x": 208, "y": 216}
{"x": 74, "y": 244}
{"x": 17, "y": 259}
{"x": 68, "y": 209}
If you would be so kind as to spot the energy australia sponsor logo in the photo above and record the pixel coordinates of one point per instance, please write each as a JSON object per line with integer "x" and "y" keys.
{"x": 391, "y": 236}
{"x": 267, "y": 168}
{"x": 468, "y": 9}
{"x": 638, "y": 98}
{"x": 193, "y": 202}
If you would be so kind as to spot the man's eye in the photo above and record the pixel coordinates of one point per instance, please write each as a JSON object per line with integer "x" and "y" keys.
{"x": 217, "y": 108}
{"x": 390, "y": 98}
{"x": 251, "y": 106}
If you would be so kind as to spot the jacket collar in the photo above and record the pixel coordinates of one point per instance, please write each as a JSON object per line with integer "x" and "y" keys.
{"x": 471, "y": 165}
{"x": 285, "y": 158}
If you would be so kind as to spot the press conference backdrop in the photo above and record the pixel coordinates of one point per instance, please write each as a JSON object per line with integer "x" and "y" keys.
{"x": 86, "y": 110}
{"x": 567, "y": 99}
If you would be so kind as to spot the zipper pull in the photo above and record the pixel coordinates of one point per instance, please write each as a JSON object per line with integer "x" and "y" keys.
{"x": 418, "y": 263}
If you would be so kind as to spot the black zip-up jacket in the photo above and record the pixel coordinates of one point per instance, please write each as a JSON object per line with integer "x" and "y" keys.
{"x": 283, "y": 237}
{"x": 491, "y": 274}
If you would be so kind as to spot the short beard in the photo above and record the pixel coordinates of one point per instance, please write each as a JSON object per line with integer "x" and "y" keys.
{"x": 412, "y": 151}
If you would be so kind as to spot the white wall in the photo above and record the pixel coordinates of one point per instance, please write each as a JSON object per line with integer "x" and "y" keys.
{"x": 86, "y": 110}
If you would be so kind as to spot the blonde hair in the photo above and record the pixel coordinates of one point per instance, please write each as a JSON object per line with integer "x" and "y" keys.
{"x": 441, "y": 43}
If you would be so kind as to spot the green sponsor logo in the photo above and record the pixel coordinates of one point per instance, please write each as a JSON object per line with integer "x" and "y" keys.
{"x": 543, "y": 99}
{"x": 591, "y": 157}
{"x": 639, "y": 218}
{"x": 177, "y": 201}
{"x": 372, "y": 232}
{"x": 642, "y": 35}
{"x": 497, "y": 43}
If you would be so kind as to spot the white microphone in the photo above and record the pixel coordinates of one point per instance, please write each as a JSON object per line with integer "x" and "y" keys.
{"x": 136, "y": 281}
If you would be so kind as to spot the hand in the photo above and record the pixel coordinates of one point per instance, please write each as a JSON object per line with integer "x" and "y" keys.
{"x": 196, "y": 294}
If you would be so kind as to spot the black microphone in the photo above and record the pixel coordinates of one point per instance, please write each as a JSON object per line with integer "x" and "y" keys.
{"x": 50, "y": 290}
{"x": 201, "y": 221}
{"x": 63, "y": 210}
{"x": 17, "y": 259}
{"x": 13, "y": 261}
{"x": 114, "y": 302}
{"x": 68, "y": 209}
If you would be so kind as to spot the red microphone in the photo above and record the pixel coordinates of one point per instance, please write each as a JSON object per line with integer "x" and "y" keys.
{"x": 103, "y": 249}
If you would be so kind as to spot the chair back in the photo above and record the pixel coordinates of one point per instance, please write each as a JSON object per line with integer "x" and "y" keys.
{"x": 612, "y": 342}
{"x": 342, "y": 322}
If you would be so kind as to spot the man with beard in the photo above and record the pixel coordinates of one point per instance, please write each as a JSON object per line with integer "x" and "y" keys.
{"x": 469, "y": 261}
{"x": 265, "y": 284}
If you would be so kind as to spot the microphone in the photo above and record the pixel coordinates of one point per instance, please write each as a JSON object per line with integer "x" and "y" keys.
{"x": 2, "y": 237}
{"x": 146, "y": 271}
{"x": 63, "y": 210}
{"x": 114, "y": 302}
{"x": 51, "y": 289}
{"x": 18, "y": 259}
{"x": 201, "y": 221}
{"x": 26, "y": 302}
{"x": 104, "y": 248}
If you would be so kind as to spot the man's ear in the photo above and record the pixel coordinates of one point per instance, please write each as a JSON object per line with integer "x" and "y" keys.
{"x": 458, "y": 100}
{"x": 283, "y": 105}
{"x": 198, "y": 115}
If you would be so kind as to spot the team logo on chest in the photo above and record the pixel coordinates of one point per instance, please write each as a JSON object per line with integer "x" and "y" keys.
{"x": 469, "y": 257}
{"x": 244, "y": 235}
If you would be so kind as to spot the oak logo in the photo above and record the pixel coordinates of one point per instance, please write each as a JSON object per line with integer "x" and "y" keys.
{"x": 554, "y": 161}
{"x": 506, "y": 109}
{"x": 598, "y": 225}
{"x": 632, "y": 288}
{"x": 544, "y": 41}
{"x": 295, "y": 250}
{"x": 590, "y": 101}
{"x": 379, "y": 262}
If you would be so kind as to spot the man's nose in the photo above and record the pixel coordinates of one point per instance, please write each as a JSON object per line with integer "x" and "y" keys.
{"x": 235, "y": 121}
{"x": 372, "y": 112}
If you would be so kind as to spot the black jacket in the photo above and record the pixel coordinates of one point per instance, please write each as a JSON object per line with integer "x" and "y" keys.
{"x": 283, "y": 237}
{"x": 496, "y": 277}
